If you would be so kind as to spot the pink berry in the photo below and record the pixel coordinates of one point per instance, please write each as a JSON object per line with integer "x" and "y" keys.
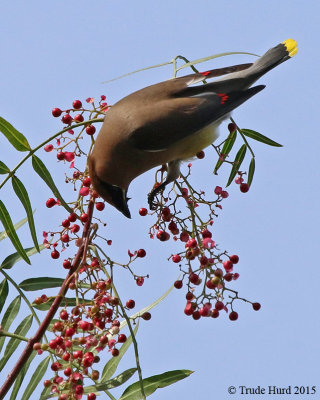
{"x": 48, "y": 148}
{"x": 238, "y": 180}
{"x": 56, "y": 112}
{"x": 84, "y": 191}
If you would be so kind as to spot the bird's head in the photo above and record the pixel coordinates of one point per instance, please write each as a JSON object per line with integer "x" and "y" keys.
{"x": 113, "y": 194}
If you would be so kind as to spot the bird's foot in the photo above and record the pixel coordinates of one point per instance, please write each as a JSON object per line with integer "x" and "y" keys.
{"x": 152, "y": 203}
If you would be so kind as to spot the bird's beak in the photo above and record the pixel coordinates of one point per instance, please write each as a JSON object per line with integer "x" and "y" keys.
{"x": 120, "y": 200}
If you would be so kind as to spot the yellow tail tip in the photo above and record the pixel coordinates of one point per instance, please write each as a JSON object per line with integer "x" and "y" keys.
{"x": 291, "y": 46}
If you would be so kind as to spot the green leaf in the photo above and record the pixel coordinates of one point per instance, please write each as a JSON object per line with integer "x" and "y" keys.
{"x": 15, "y": 137}
{"x": 12, "y": 259}
{"x": 43, "y": 172}
{"x": 9, "y": 316}
{"x": 40, "y": 283}
{"x": 8, "y": 226}
{"x": 112, "y": 383}
{"x": 145, "y": 309}
{"x": 252, "y": 167}
{"x": 237, "y": 162}
{"x": 67, "y": 301}
{"x": 23, "y": 196}
{"x": 111, "y": 366}
{"x": 36, "y": 378}
{"x": 13, "y": 343}
{"x": 21, "y": 375}
{"x": 3, "y": 168}
{"x": 228, "y": 144}
{"x": 259, "y": 137}
{"x": 4, "y": 290}
{"x": 151, "y": 384}
{"x": 16, "y": 226}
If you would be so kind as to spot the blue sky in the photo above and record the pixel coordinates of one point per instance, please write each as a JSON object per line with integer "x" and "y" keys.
{"x": 53, "y": 53}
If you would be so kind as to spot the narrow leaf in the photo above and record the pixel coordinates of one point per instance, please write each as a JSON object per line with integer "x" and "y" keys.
{"x": 151, "y": 384}
{"x": 9, "y": 316}
{"x": 40, "y": 283}
{"x": 112, "y": 383}
{"x": 227, "y": 146}
{"x": 111, "y": 366}
{"x": 4, "y": 290}
{"x": 36, "y": 378}
{"x": 13, "y": 343}
{"x": 145, "y": 309}
{"x": 237, "y": 162}
{"x": 3, "y": 168}
{"x": 252, "y": 167}
{"x": 16, "y": 138}
{"x": 23, "y": 196}
{"x": 21, "y": 376}
{"x": 12, "y": 259}
{"x": 16, "y": 226}
{"x": 43, "y": 172}
{"x": 259, "y": 137}
{"x": 67, "y": 301}
{"x": 8, "y": 226}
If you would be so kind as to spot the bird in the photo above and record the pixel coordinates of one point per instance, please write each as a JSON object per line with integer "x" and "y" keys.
{"x": 170, "y": 122}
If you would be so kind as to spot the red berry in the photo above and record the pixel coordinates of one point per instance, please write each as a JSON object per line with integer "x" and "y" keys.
{"x": 65, "y": 238}
{"x": 146, "y": 316}
{"x": 140, "y": 281}
{"x": 238, "y": 180}
{"x": 84, "y": 217}
{"x": 206, "y": 233}
{"x": 189, "y": 308}
{"x": 232, "y": 127}
{"x": 184, "y": 236}
{"x": 70, "y": 332}
{"x": 215, "y": 313}
{"x": 47, "y": 383}
{"x": 143, "y": 212}
{"x": 50, "y": 202}
{"x": 91, "y": 396}
{"x": 78, "y": 118}
{"x": 90, "y": 129}
{"x": 201, "y": 154}
{"x": 228, "y": 265}
{"x": 100, "y": 206}
{"x": 115, "y": 352}
{"x": 228, "y": 277}
{"x": 194, "y": 278}
{"x": 234, "y": 259}
{"x": 84, "y": 191}
{"x": 66, "y": 119}
{"x": 56, "y": 112}
{"x": 176, "y": 258}
{"x": 77, "y": 104}
{"x": 163, "y": 236}
{"x": 86, "y": 182}
{"x": 64, "y": 315}
{"x": 256, "y": 306}
{"x": 55, "y": 254}
{"x": 72, "y": 217}
{"x": 189, "y": 296}
{"x": 219, "y": 306}
{"x": 196, "y": 315}
{"x": 141, "y": 253}
{"x": 233, "y": 316}
{"x": 77, "y": 354}
{"x": 224, "y": 194}
{"x": 55, "y": 366}
{"x": 130, "y": 304}
{"x": 75, "y": 228}
{"x": 122, "y": 338}
{"x": 244, "y": 187}
{"x": 178, "y": 284}
{"x": 60, "y": 155}
{"x": 48, "y": 148}
{"x": 218, "y": 190}
{"x": 67, "y": 371}
{"x": 66, "y": 264}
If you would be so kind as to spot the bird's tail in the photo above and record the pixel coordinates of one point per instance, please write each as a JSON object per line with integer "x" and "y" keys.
{"x": 243, "y": 79}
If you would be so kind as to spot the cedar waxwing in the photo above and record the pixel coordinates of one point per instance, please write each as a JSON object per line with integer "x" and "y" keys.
{"x": 169, "y": 122}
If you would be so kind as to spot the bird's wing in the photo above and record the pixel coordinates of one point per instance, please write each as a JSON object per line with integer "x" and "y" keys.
{"x": 179, "y": 110}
